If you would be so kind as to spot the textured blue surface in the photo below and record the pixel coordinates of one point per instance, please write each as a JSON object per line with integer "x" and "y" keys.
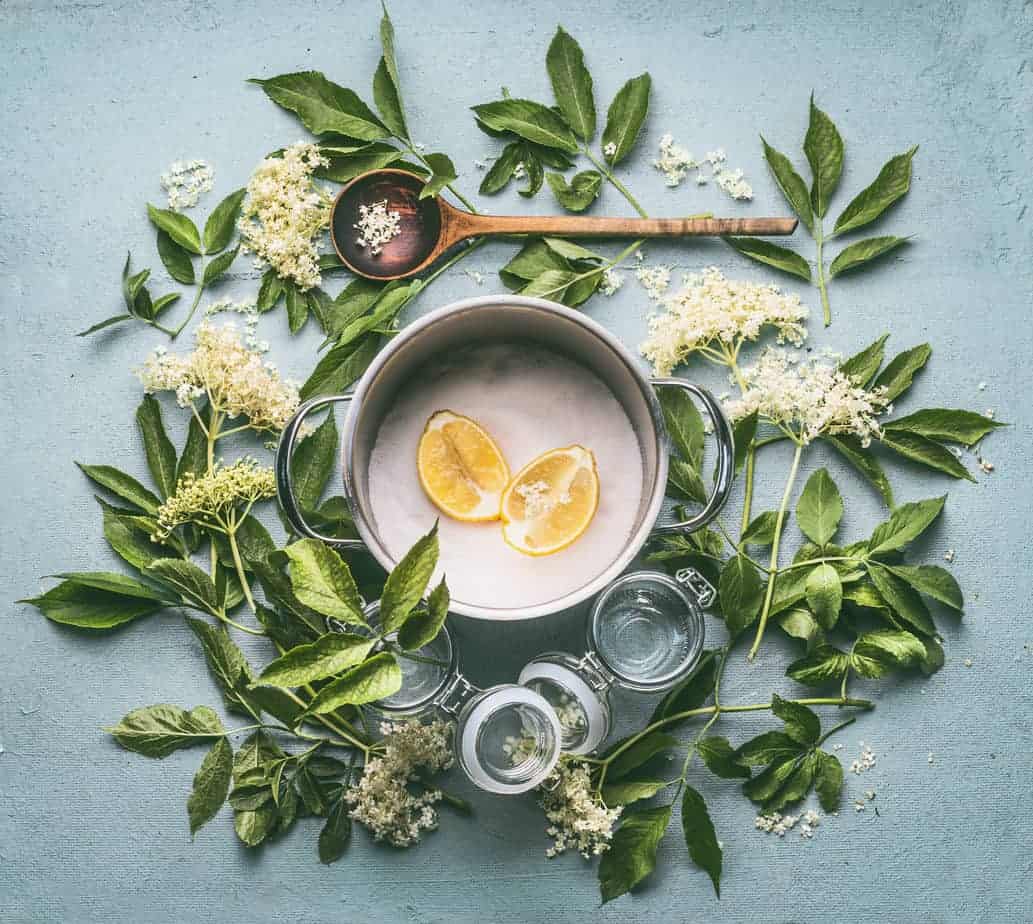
{"x": 98, "y": 97}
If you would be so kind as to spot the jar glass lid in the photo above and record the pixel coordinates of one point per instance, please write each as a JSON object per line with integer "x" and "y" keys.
{"x": 647, "y": 629}
{"x": 582, "y": 708}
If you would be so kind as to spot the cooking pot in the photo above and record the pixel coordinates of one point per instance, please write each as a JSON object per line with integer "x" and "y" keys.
{"x": 509, "y": 318}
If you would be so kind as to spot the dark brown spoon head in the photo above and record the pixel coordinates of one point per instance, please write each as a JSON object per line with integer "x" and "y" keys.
{"x": 418, "y": 242}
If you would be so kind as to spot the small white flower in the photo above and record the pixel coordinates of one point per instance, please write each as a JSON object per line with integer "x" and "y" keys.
{"x": 609, "y": 149}
{"x": 655, "y": 280}
{"x": 185, "y": 181}
{"x": 612, "y": 280}
{"x": 576, "y": 817}
{"x": 377, "y": 225}
{"x": 948, "y": 556}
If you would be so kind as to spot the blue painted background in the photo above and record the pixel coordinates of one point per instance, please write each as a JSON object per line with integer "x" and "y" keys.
{"x": 97, "y": 99}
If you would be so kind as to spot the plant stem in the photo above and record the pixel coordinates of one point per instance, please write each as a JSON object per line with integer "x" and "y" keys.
{"x": 423, "y": 160}
{"x": 817, "y": 561}
{"x": 617, "y": 184}
{"x": 197, "y": 300}
{"x": 222, "y": 617}
{"x": 773, "y": 566}
{"x": 212, "y": 434}
{"x": 819, "y": 240}
{"x": 751, "y": 456}
{"x": 238, "y": 564}
{"x": 834, "y": 729}
{"x": 329, "y": 723}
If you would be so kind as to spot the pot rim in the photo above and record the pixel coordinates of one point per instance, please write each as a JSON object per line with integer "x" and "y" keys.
{"x": 635, "y": 541}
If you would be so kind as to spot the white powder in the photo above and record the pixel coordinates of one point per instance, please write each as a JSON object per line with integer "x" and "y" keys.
{"x": 530, "y": 400}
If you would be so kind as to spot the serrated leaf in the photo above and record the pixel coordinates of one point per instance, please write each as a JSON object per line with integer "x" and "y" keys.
{"x": 211, "y": 785}
{"x": 352, "y": 302}
{"x": 691, "y": 692}
{"x": 175, "y": 259}
{"x": 194, "y": 458}
{"x": 161, "y": 304}
{"x": 825, "y": 594}
{"x": 157, "y": 731}
{"x": 875, "y": 654}
{"x": 861, "y": 458}
{"x": 761, "y": 531}
{"x": 861, "y": 367}
{"x": 86, "y": 606}
{"x": 571, "y": 84}
{"x": 904, "y": 601}
{"x": 214, "y": 269}
{"x": 741, "y": 594}
{"x": 642, "y": 751}
{"x": 253, "y": 826}
{"x": 896, "y": 378}
{"x": 955, "y": 426}
{"x": 314, "y": 462}
{"x": 632, "y": 854}
{"x": 624, "y": 118}
{"x": 823, "y": 665}
{"x": 529, "y": 120}
{"x": 444, "y": 173}
{"x": 226, "y": 662}
{"x": 116, "y": 583}
{"x": 629, "y": 791}
{"x": 323, "y": 106}
{"x": 721, "y": 760}
{"x": 424, "y": 623}
{"x": 790, "y": 182}
{"x": 535, "y": 171}
{"x": 369, "y": 681}
{"x": 161, "y": 454}
{"x": 177, "y": 226}
{"x": 407, "y": 582}
{"x": 802, "y": 724}
{"x": 570, "y": 250}
{"x": 925, "y": 452}
{"x": 123, "y": 485}
{"x": 388, "y": 101}
{"x": 340, "y": 367}
{"x": 501, "y": 172}
{"x": 906, "y": 523}
{"x": 700, "y": 837}
{"x": 933, "y": 581}
{"x": 771, "y": 747}
{"x": 580, "y": 193}
{"x": 828, "y": 780}
{"x": 824, "y": 149}
{"x": 863, "y": 252}
{"x": 127, "y": 537}
{"x": 684, "y": 423}
{"x": 781, "y": 258}
{"x": 322, "y": 581}
{"x": 326, "y": 656}
{"x": 743, "y": 432}
{"x": 799, "y": 622}
{"x": 336, "y": 833}
{"x": 889, "y": 186}
{"x": 269, "y": 292}
{"x": 391, "y": 301}
{"x": 346, "y": 164}
{"x": 189, "y": 581}
{"x": 820, "y": 508}
{"x": 219, "y": 228}
{"x": 533, "y": 259}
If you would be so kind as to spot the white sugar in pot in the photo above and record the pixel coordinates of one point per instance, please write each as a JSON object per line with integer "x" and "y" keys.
{"x": 497, "y": 319}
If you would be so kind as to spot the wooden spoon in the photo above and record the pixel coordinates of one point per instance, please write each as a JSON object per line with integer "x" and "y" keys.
{"x": 428, "y": 227}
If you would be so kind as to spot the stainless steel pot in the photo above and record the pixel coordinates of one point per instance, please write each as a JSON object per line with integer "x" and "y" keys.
{"x": 509, "y": 318}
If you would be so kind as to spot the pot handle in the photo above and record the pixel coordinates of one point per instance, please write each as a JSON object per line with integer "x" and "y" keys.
{"x": 285, "y": 479}
{"x": 725, "y": 459}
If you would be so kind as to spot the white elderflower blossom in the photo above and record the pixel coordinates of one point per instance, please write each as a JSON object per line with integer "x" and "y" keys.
{"x": 248, "y": 309}
{"x": 576, "y": 817}
{"x": 377, "y": 226}
{"x": 807, "y": 398}
{"x": 218, "y": 499}
{"x": 609, "y": 149}
{"x": 655, "y": 280}
{"x": 612, "y": 280}
{"x": 235, "y": 379}
{"x": 283, "y": 213}
{"x": 712, "y": 308}
{"x": 381, "y": 800}
{"x": 184, "y": 182}
{"x": 733, "y": 183}
{"x": 674, "y": 161}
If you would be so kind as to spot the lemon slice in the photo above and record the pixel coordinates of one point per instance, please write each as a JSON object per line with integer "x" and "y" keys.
{"x": 461, "y": 468}
{"x": 551, "y": 501}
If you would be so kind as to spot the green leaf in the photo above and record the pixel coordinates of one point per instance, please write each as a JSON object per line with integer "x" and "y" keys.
{"x": 407, "y": 583}
{"x": 161, "y": 454}
{"x": 933, "y": 581}
{"x": 164, "y": 302}
{"x": 824, "y": 149}
{"x": 721, "y": 760}
{"x": 640, "y": 752}
{"x": 424, "y": 623}
{"x": 323, "y": 106}
{"x": 551, "y": 284}
{"x": 388, "y": 101}
{"x": 625, "y": 116}
{"x": 740, "y": 592}
{"x": 861, "y": 458}
{"x": 333, "y": 839}
{"x": 896, "y": 378}
{"x": 444, "y": 173}
{"x": 353, "y": 301}
{"x": 743, "y": 432}
{"x": 580, "y": 193}
{"x": 157, "y": 731}
{"x": 890, "y": 185}
{"x": 194, "y": 458}
{"x": 211, "y": 785}
{"x": 369, "y": 681}
{"x": 781, "y": 258}
{"x": 925, "y": 452}
{"x": 684, "y": 423}
{"x": 218, "y": 230}
{"x": 529, "y": 120}
{"x": 762, "y": 530}
{"x": 269, "y": 292}
{"x": 904, "y": 601}
{"x": 322, "y": 581}
{"x": 533, "y": 259}
{"x": 571, "y": 84}
{"x": 934, "y": 657}
{"x": 828, "y": 780}
{"x": 535, "y": 171}
{"x": 314, "y": 462}
{"x": 226, "y": 662}
{"x": 215, "y": 268}
{"x": 107, "y": 322}
{"x": 863, "y": 252}
{"x": 906, "y": 523}
{"x": 339, "y": 368}
{"x": 255, "y": 825}
{"x": 875, "y": 654}
{"x": 570, "y": 250}
{"x": 328, "y": 655}
{"x": 700, "y": 837}
{"x": 790, "y": 182}
{"x": 825, "y": 594}
{"x": 820, "y": 508}
{"x": 501, "y": 172}
{"x": 347, "y": 163}
{"x": 129, "y": 539}
{"x": 955, "y": 426}
{"x": 189, "y": 581}
{"x": 391, "y": 301}
{"x": 86, "y": 606}
{"x": 690, "y": 693}
{"x": 802, "y": 725}
{"x": 791, "y": 787}
{"x": 175, "y": 258}
{"x": 177, "y": 226}
{"x": 771, "y": 747}
{"x": 799, "y": 622}
{"x": 632, "y": 854}
{"x": 116, "y": 583}
{"x": 823, "y": 665}
{"x": 123, "y": 485}
{"x": 630, "y": 791}
{"x": 861, "y": 367}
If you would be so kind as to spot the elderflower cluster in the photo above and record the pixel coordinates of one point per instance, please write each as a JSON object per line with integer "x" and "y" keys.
{"x": 247, "y": 309}
{"x": 576, "y": 816}
{"x": 377, "y": 226}
{"x": 210, "y": 498}
{"x": 283, "y": 212}
{"x": 235, "y": 379}
{"x": 612, "y": 280}
{"x": 184, "y": 182}
{"x": 675, "y": 162}
{"x": 778, "y": 824}
{"x": 381, "y": 800}
{"x": 710, "y": 307}
{"x": 807, "y": 397}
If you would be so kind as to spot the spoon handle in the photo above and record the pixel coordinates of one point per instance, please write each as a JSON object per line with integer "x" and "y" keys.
{"x": 586, "y": 226}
